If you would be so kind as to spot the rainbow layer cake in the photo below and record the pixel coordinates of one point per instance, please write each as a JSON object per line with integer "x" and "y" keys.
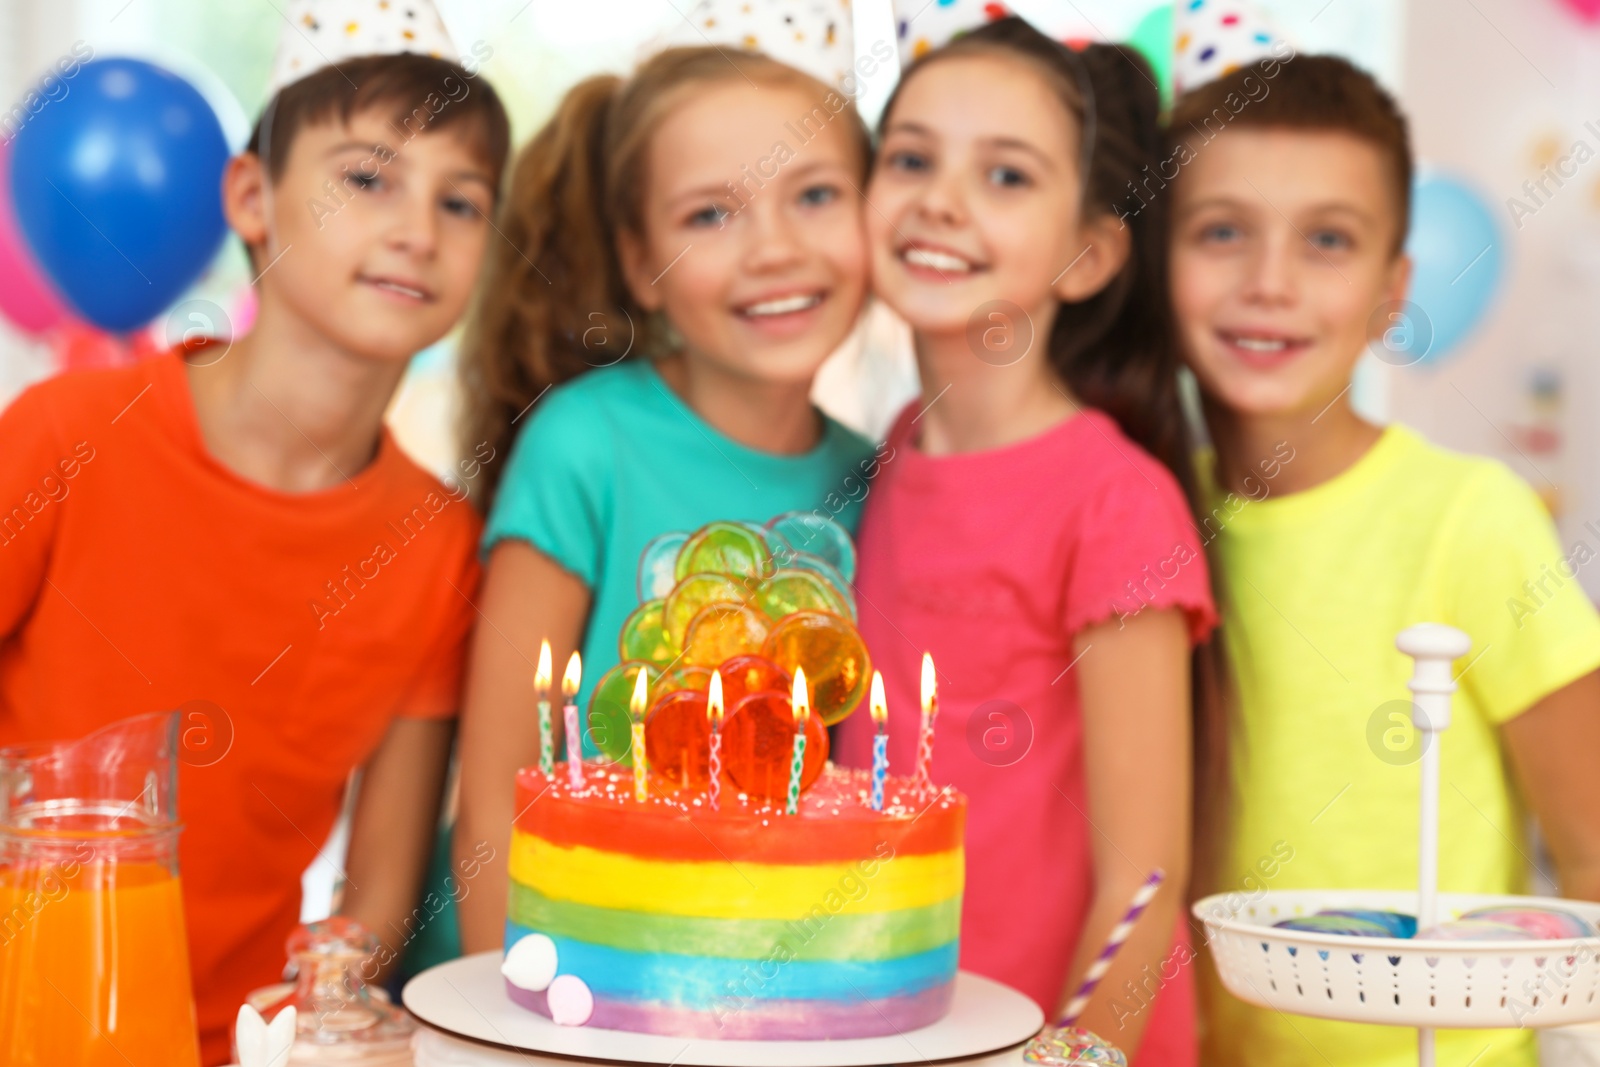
{"x": 713, "y": 875}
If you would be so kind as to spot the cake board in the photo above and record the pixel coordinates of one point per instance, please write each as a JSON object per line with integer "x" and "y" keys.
{"x": 466, "y": 998}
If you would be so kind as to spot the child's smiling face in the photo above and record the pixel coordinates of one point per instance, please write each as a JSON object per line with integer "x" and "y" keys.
{"x": 385, "y": 268}
{"x": 751, "y": 240}
{"x": 1283, "y": 251}
{"x": 976, "y": 197}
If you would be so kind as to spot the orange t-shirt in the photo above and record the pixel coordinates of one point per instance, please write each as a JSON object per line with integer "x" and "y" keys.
{"x": 138, "y": 574}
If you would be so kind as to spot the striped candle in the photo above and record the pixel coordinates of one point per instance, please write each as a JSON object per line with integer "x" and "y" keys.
{"x": 880, "y": 740}
{"x": 801, "y": 701}
{"x": 636, "y": 708}
{"x": 541, "y": 686}
{"x": 930, "y": 711}
{"x": 1119, "y": 934}
{"x": 714, "y": 714}
{"x": 571, "y": 679}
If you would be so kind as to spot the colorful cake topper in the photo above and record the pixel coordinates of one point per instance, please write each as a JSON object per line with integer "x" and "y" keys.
{"x": 658, "y": 564}
{"x": 677, "y": 739}
{"x": 693, "y": 593}
{"x": 610, "y": 726}
{"x": 721, "y": 631}
{"x": 730, "y": 548}
{"x": 833, "y": 654}
{"x": 324, "y": 33}
{"x": 1071, "y": 1047}
{"x": 816, "y": 535}
{"x": 758, "y": 746}
{"x": 643, "y": 637}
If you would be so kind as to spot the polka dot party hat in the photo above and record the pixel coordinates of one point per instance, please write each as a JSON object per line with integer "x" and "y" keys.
{"x": 1215, "y": 37}
{"x": 923, "y": 25}
{"x": 324, "y": 33}
{"x": 813, "y": 36}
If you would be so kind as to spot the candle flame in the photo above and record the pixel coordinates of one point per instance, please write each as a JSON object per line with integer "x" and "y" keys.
{"x": 714, "y": 701}
{"x": 801, "y": 698}
{"x": 541, "y": 677}
{"x": 572, "y": 678}
{"x": 880, "y": 706}
{"x": 641, "y": 695}
{"x": 930, "y": 686}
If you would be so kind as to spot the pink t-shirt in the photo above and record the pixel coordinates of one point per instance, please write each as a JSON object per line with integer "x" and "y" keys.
{"x": 992, "y": 561}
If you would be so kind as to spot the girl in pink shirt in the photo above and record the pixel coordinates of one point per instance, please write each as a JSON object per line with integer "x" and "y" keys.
{"x": 1031, "y": 527}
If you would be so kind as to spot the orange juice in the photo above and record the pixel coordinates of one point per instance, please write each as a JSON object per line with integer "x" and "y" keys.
{"x": 94, "y": 968}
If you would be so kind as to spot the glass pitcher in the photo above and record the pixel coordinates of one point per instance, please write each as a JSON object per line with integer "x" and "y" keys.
{"x": 94, "y": 964}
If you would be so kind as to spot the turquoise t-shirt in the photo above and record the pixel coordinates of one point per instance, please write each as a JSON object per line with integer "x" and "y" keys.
{"x": 610, "y": 460}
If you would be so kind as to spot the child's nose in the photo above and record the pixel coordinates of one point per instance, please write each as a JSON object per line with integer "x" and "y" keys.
{"x": 944, "y": 199}
{"x": 1272, "y": 275}
{"x": 774, "y": 240}
{"x": 415, "y": 226}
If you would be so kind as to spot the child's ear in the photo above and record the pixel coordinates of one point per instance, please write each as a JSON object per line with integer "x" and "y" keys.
{"x": 636, "y": 270}
{"x": 1107, "y": 242}
{"x": 1399, "y": 280}
{"x": 244, "y": 198}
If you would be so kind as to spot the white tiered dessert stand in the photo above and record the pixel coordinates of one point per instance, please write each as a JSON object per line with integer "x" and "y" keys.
{"x": 1427, "y": 985}
{"x": 466, "y": 1000}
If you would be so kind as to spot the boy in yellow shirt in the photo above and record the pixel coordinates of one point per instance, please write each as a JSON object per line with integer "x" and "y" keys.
{"x": 1332, "y": 534}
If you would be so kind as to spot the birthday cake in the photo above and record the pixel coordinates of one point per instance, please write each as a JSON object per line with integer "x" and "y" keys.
{"x": 734, "y": 884}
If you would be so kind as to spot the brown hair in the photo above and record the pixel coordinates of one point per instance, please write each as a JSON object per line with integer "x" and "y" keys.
{"x": 422, "y": 93}
{"x": 1318, "y": 93}
{"x": 554, "y": 303}
{"x": 1117, "y": 351}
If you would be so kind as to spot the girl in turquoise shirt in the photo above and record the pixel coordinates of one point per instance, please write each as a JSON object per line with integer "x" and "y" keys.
{"x": 670, "y": 280}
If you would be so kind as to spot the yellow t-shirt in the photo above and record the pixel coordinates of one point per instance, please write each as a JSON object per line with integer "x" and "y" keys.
{"x": 1315, "y": 587}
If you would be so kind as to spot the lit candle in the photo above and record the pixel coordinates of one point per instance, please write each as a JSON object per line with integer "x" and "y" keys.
{"x": 570, "y": 681}
{"x": 930, "y": 711}
{"x": 636, "y": 708}
{"x": 880, "y": 740}
{"x": 541, "y": 686}
{"x": 802, "y": 707}
{"x": 714, "y": 716}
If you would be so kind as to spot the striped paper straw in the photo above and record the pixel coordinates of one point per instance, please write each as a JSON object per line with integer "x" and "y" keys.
{"x": 1119, "y": 934}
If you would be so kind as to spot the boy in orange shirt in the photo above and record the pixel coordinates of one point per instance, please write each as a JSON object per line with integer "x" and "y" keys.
{"x": 231, "y": 531}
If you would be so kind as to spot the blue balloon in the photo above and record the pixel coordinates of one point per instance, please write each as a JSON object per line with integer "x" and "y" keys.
{"x": 118, "y": 190}
{"x": 1457, "y": 260}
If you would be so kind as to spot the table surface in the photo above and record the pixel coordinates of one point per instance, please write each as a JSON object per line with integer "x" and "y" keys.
{"x": 467, "y": 998}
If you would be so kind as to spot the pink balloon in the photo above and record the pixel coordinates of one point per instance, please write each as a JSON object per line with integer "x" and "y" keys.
{"x": 1587, "y": 10}
{"x": 25, "y": 297}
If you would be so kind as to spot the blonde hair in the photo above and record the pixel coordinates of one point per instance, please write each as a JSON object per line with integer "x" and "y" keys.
{"x": 554, "y": 303}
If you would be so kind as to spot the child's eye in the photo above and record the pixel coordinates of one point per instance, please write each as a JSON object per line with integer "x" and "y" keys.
{"x": 817, "y": 195}
{"x": 365, "y": 182}
{"x": 460, "y": 206}
{"x": 1219, "y": 233}
{"x": 1008, "y": 177}
{"x": 914, "y": 162}
{"x": 710, "y": 215}
{"x": 1329, "y": 240}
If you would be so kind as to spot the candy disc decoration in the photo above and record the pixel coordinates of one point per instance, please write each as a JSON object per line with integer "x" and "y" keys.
{"x": 677, "y": 739}
{"x": 833, "y": 655}
{"x": 644, "y": 639}
{"x": 683, "y": 676}
{"x": 806, "y": 531}
{"x": 758, "y": 744}
{"x": 610, "y": 726}
{"x": 805, "y": 561}
{"x": 743, "y": 675}
{"x": 658, "y": 565}
{"x": 730, "y": 548}
{"x": 722, "y": 631}
{"x": 694, "y": 593}
{"x": 789, "y": 591}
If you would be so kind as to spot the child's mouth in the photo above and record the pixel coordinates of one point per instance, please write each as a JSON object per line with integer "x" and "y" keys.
{"x": 1263, "y": 350}
{"x": 406, "y": 291}
{"x": 782, "y": 315}
{"x": 938, "y": 263}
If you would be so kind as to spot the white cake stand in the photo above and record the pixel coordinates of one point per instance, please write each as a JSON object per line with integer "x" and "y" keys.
{"x": 1427, "y": 985}
{"x": 467, "y": 998}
